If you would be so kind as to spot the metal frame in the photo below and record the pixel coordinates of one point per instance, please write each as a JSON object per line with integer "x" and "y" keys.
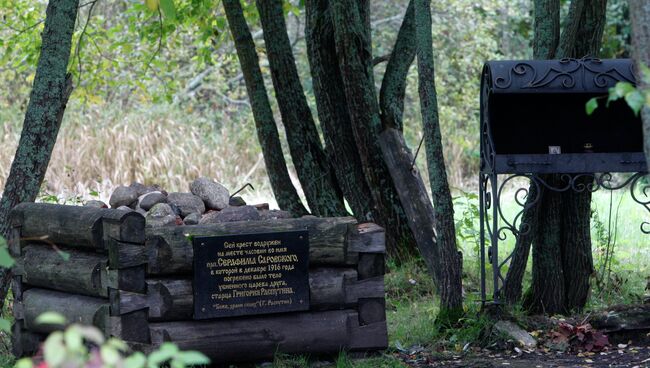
{"x": 579, "y": 172}
{"x": 495, "y": 225}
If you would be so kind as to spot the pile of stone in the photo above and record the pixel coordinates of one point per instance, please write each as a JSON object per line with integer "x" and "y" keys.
{"x": 207, "y": 202}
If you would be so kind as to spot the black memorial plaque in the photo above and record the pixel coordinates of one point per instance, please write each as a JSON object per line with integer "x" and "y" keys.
{"x": 250, "y": 274}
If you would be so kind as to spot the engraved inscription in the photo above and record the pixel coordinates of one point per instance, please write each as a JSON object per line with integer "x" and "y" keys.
{"x": 251, "y": 274}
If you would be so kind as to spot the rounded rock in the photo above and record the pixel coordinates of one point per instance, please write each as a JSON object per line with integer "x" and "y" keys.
{"x": 186, "y": 202}
{"x": 192, "y": 219}
{"x": 148, "y": 200}
{"x": 95, "y": 203}
{"x": 274, "y": 214}
{"x": 123, "y": 196}
{"x": 160, "y": 214}
{"x": 215, "y": 195}
{"x": 231, "y": 214}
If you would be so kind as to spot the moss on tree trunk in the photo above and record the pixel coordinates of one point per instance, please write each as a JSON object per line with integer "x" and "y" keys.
{"x": 267, "y": 131}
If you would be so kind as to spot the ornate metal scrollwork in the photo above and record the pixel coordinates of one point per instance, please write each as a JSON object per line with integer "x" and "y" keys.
{"x": 493, "y": 192}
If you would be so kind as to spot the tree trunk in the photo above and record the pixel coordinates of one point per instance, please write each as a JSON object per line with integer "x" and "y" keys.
{"x": 354, "y": 55}
{"x": 450, "y": 283}
{"x": 47, "y": 102}
{"x": 267, "y": 131}
{"x": 547, "y": 35}
{"x": 571, "y": 245}
{"x": 333, "y": 110}
{"x": 393, "y": 86}
{"x": 640, "y": 17}
{"x": 316, "y": 176}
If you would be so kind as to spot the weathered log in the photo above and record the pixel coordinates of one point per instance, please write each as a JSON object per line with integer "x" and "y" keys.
{"x": 332, "y": 241}
{"x": 261, "y": 337}
{"x": 76, "y": 226}
{"x": 371, "y": 265}
{"x": 75, "y": 308}
{"x": 123, "y": 255}
{"x": 24, "y": 342}
{"x": 172, "y": 299}
{"x": 623, "y": 318}
{"x": 81, "y": 273}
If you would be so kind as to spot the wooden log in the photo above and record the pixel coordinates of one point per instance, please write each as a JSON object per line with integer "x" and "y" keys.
{"x": 24, "y": 342}
{"x": 17, "y": 287}
{"x": 332, "y": 241}
{"x": 64, "y": 225}
{"x": 172, "y": 299}
{"x": 75, "y": 308}
{"x": 77, "y": 226}
{"x": 130, "y": 327}
{"x": 124, "y": 255}
{"x": 81, "y": 273}
{"x": 261, "y": 337}
{"x": 371, "y": 265}
{"x": 123, "y": 226}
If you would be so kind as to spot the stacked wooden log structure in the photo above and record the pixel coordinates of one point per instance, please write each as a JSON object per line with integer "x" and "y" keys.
{"x": 103, "y": 267}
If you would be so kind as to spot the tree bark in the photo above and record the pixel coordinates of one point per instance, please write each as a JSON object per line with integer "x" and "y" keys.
{"x": 568, "y": 250}
{"x": 333, "y": 110}
{"x": 47, "y": 102}
{"x": 545, "y": 42}
{"x": 450, "y": 283}
{"x": 354, "y": 55}
{"x": 393, "y": 86}
{"x": 640, "y": 18}
{"x": 323, "y": 195}
{"x": 267, "y": 131}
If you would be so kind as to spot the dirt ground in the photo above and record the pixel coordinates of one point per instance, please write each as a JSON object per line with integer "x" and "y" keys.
{"x": 631, "y": 356}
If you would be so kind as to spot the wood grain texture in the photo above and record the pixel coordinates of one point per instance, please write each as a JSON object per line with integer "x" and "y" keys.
{"x": 75, "y": 308}
{"x": 256, "y": 338}
{"x": 170, "y": 251}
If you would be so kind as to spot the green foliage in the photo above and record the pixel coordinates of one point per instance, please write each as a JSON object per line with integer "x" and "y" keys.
{"x": 635, "y": 97}
{"x": 85, "y": 346}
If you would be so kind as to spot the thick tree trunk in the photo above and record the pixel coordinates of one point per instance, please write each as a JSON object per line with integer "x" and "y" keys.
{"x": 563, "y": 248}
{"x": 577, "y": 257}
{"x": 47, "y": 102}
{"x": 640, "y": 17}
{"x": 333, "y": 110}
{"x": 314, "y": 171}
{"x": 267, "y": 131}
{"x": 393, "y": 86}
{"x": 545, "y": 42}
{"x": 354, "y": 55}
{"x": 450, "y": 283}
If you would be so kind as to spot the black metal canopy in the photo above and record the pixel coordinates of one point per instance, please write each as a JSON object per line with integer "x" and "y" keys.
{"x": 533, "y": 118}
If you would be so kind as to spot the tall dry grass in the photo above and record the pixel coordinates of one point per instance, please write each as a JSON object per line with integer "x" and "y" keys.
{"x": 99, "y": 148}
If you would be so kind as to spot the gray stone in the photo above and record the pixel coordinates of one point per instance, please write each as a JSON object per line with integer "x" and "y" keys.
{"x": 148, "y": 200}
{"x": 274, "y": 215}
{"x": 125, "y": 208}
{"x": 236, "y": 201}
{"x": 160, "y": 214}
{"x": 123, "y": 196}
{"x": 516, "y": 333}
{"x": 192, "y": 219}
{"x": 95, "y": 203}
{"x": 230, "y": 214}
{"x": 186, "y": 202}
{"x": 144, "y": 189}
{"x": 215, "y": 195}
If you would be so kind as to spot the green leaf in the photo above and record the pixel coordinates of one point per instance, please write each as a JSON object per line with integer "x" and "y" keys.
{"x": 5, "y": 325}
{"x": 137, "y": 360}
{"x": 591, "y": 105}
{"x": 73, "y": 339}
{"x": 117, "y": 344}
{"x": 623, "y": 88}
{"x": 50, "y": 318}
{"x": 193, "y": 358}
{"x": 152, "y": 4}
{"x": 110, "y": 355}
{"x": 24, "y": 363}
{"x": 168, "y": 9}
{"x": 53, "y": 349}
{"x": 90, "y": 333}
{"x": 635, "y": 100}
{"x": 166, "y": 351}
